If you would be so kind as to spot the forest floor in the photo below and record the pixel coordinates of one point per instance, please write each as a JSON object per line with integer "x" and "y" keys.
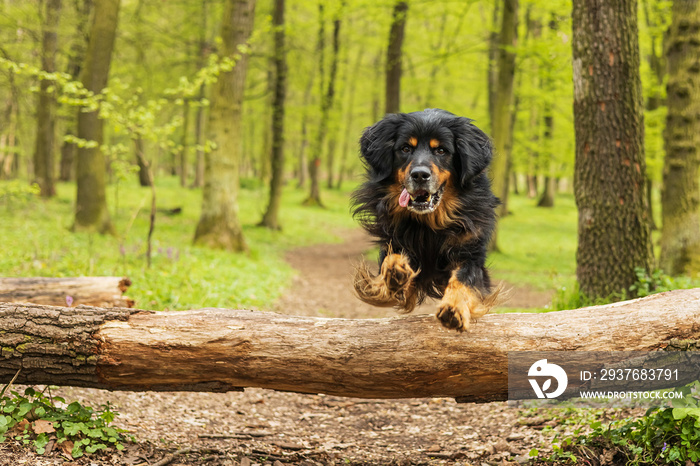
{"x": 271, "y": 428}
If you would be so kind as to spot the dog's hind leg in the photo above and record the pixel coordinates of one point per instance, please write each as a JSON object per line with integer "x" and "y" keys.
{"x": 393, "y": 287}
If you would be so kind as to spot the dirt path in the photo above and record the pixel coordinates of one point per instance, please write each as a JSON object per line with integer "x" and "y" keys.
{"x": 272, "y": 428}
{"x": 323, "y": 285}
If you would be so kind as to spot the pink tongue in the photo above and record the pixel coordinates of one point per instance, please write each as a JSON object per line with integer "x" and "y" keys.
{"x": 403, "y": 199}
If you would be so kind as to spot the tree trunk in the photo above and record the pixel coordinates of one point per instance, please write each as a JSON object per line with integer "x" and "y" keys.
{"x": 550, "y": 181}
{"x": 314, "y": 198}
{"x": 348, "y": 140}
{"x": 200, "y": 119}
{"x": 185, "y": 143}
{"x": 144, "y": 175}
{"x": 44, "y": 149}
{"x": 219, "y": 225}
{"x": 680, "y": 198}
{"x": 76, "y": 58}
{"x": 271, "y": 217}
{"x": 87, "y": 291}
{"x": 393, "y": 57}
{"x": 609, "y": 185}
{"x": 220, "y": 350}
{"x": 492, "y": 68}
{"x": 502, "y": 120}
{"x": 91, "y": 202}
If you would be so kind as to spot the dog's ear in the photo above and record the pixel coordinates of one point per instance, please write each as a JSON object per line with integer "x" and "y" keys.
{"x": 473, "y": 149}
{"x": 377, "y": 145}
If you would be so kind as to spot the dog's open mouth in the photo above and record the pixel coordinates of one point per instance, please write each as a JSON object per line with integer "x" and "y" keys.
{"x": 421, "y": 201}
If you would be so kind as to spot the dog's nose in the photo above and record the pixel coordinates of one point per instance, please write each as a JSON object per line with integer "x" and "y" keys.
{"x": 419, "y": 174}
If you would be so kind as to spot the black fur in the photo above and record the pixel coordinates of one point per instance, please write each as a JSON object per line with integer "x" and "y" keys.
{"x": 461, "y": 244}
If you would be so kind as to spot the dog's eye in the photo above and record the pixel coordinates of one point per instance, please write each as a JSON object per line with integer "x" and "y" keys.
{"x": 406, "y": 149}
{"x": 440, "y": 151}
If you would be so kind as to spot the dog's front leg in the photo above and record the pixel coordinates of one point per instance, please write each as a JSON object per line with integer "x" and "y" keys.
{"x": 467, "y": 296}
{"x": 393, "y": 287}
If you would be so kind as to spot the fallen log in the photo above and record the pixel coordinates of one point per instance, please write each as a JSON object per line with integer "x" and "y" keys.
{"x": 88, "y": 291}
{"x": 220, "y": 350}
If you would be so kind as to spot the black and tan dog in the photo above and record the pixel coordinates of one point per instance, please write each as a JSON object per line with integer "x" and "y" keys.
{"x": 428, "y": 202}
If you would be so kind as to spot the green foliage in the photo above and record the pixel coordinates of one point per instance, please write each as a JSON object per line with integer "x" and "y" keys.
{"x": 667, "y": 435}
{"x": 17, "y": 193}
{"x": 34, "y": 418}
{"x": 659, "y": 282}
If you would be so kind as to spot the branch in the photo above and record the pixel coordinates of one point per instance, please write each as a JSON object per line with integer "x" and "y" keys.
{"x": 220, "y": 350}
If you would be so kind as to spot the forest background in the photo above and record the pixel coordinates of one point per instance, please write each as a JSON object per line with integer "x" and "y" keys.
{"x": 344, "y": 63}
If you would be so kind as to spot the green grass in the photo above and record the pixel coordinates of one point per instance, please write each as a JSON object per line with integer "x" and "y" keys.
{"x": 537, "y": 246}
{"x": 37, "y": 242}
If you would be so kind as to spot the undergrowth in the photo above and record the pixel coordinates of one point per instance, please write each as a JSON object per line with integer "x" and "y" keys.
{"x": 666, "y": 435}
{"x": 43, "y": 421}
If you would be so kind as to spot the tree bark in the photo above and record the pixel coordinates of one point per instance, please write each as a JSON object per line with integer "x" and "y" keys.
{"x": 76, "y": 58}
{"x": 680, "y": 198}
{"x": 609, "y": 175}
{"x": 91, "y": 201}
{"x": 271, "y": 217}
{"x": 327, "y": 97}
{"x": 393, "y": 58}
{"x": 185, "y": 143}
{"x": 44, "y": 148}
{"x": 219, "y": 224}
{"x": 220, "y": 350}
{"x": 502, "y": 123}
{"x": 88, "y": 291}
{"x": 200, "y": 119}
{"x": 139, "y": 153}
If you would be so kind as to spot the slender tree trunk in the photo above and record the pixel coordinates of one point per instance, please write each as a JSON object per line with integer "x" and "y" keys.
{"x": 219, "y": 224}
{"x": 680, "y": 198}
{"x": 302, "y": 163}
{"x": 91, "y": 202}
{"x": 492, "y": 69}
{"x": 271, "y": 217}
{"x": 502, "y": 126}
{"x": 144, "y": 175}
{"x": 200, "y": 119}
{"x": 348, "y": 139}
{"x": 393, "y": 57}
{"x": 657, "y": 63}
{"x": 185, "y": 143}
{"x": 609, "y": 184}
{"x": 332, "y": 139}
{"x": 75, "y": 61}
{"x": 44, "y": 158}
{"x": 328, "y": 95}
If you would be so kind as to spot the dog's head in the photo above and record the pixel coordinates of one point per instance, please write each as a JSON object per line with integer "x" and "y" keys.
{"x": 428, "y": 156}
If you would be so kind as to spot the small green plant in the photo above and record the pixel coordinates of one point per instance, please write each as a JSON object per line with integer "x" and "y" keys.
{"x": 36, "y": 419}
{"x": 657, "y": 282}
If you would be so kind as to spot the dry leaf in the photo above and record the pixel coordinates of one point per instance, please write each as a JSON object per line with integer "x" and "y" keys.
{"x": 43, "y": 427}
{"x": 67, "y": 448}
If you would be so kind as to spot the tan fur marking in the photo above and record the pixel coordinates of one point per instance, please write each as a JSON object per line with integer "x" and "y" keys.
{"x": 461, "y": 303}
{"x": 434, "y": 143}
{"x": 413, "y": 141}
{"x": 393, "y": 287}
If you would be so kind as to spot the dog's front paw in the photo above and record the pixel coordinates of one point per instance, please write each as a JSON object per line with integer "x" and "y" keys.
{"x": 398, "y": 278}
{"x": 461, "y": 303}
{"x": 452, "y": 317}
{"x": 397, "y": 272}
